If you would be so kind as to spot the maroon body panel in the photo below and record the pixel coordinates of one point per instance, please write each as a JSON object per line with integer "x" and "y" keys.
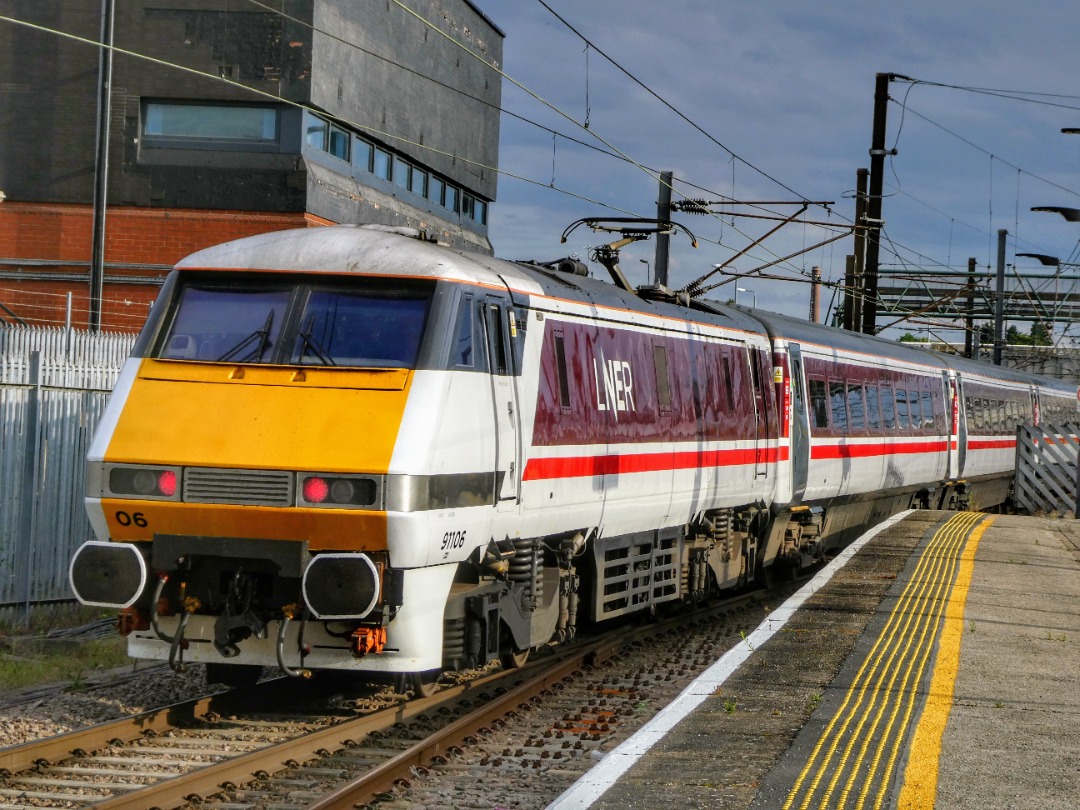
{"x": 615, "y": 391}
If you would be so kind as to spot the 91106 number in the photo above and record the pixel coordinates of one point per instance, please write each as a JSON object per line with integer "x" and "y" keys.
{"x": 452, "y": 540}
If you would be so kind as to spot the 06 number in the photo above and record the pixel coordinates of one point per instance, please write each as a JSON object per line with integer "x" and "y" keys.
{"x": 137, "y": 519}
{"x": 453, "y": 540}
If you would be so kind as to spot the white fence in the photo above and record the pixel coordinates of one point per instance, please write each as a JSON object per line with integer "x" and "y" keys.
{"x": 53, "y": 387}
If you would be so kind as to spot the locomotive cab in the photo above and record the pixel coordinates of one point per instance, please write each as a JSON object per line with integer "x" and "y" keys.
{"x": 274, "y": 457}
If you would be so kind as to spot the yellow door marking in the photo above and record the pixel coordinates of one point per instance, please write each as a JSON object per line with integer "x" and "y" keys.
{"x": 924, "y": 757}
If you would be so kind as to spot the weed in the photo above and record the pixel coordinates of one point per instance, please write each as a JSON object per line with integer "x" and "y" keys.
{"x": 742, "y": 635}
{"x": 815, "y": 700}
{"x": 971, "y": 627}
{"x": 730, "y": 705}
{"x": 62, "y": 666}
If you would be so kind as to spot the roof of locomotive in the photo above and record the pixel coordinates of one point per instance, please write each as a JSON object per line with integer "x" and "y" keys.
{"x": 383, "y": 250}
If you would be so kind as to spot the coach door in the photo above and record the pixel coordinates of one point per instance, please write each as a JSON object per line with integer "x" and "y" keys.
{"x": 800, "y": 424}
{"x": 498, "y": 324}
{"x": 761, "y": 413}
{"x": 960, "y": 424}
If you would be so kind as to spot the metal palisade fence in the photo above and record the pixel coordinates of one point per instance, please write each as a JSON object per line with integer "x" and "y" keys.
{"x": 1047, "y": 475}
{"x": 54, "y": 383}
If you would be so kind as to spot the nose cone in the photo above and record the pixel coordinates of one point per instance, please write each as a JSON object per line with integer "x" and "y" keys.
{"x": 261, "y": 418}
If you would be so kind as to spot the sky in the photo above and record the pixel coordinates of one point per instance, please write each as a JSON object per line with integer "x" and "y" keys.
{"x": 781, "y": 93}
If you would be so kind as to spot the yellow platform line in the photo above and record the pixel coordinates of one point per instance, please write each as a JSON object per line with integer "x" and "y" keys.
{"x": 837, "y": 727}
{"x": 917, "y": 634}
{"x": 913, "y": 616}
{"x": 924, "y": 758}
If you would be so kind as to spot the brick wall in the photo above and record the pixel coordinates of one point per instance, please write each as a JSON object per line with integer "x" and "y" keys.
{"x": 45, "y": 253}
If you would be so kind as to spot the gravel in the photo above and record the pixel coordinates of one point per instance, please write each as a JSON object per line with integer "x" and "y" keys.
{"x": 49, "y": 709}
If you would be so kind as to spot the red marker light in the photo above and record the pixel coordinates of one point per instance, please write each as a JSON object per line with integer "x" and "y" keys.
{"x": 315, "y": 490}
{"x": 166, "y": 483}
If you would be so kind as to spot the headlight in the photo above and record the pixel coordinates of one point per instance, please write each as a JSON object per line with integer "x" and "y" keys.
{"x": 337, "y": 491}
{"x": 144, "y": 482}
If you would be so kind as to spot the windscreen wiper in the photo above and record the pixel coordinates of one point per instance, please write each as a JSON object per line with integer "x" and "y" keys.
{"x": 262, "y": 335}
{"x": 311, "y": 343}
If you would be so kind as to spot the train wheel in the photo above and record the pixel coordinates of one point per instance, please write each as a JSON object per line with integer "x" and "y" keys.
{"x": 421, "y": 684}
{"x": 236, "y": 676}
{"x": 515, "y": 659}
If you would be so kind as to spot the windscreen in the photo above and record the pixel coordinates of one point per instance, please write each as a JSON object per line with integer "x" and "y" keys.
{"x": 368, "y": 323}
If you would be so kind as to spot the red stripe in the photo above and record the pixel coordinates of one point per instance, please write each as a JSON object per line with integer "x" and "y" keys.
{"x": 539, "y": 469}
{"x": 821, "y": 451}
{"x": 991, "y": 444}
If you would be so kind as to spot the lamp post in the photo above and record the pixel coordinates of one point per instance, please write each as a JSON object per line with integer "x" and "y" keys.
{"x": 646, "y": 263}
{"x": 744, "y": 289}
{"x": 1070, "y": 214}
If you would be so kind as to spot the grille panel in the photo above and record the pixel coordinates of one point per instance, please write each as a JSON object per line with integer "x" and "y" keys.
{"x": 250, "y": 487}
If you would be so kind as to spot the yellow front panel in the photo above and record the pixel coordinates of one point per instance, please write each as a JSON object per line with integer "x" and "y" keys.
{"x": 261, "y": 418}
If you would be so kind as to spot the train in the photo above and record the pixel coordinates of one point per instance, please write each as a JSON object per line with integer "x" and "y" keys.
{"x": 352, "y": 448}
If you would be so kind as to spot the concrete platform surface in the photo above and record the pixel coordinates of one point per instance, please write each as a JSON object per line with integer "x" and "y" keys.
{"x": 935, "y": 663}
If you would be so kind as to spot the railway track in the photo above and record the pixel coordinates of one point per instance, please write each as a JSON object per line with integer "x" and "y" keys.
{"x": 235, "y": 750}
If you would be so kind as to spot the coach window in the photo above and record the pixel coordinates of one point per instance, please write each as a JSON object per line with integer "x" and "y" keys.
{"x": 914, "y": 410}
{"x": 838, "y": 406}
{"x": 928, "y": 409}
{"x": 463, "y": 346}
{"x": 497, "y": 350}
{"x": 873, "y": 408}
{"x": 902, "y": 409}
{"x": 729, "y": 386}
{"x": 888, "y": 408}
{"x": 856, "y": 407}
{"x": 564, "y": 378}
{"x": 663, "y": 378}
{"x": 819, "y": 403}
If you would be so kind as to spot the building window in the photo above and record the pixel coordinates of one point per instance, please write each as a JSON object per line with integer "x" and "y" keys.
{"x": 436, "y": 187}
{"x": 480, "y": 212}
{"x": 315, "y": 131}
{"x": 418, "y": 181}
{"x": 181, "y": 124}
{"x": 383, "y": 162}
{"x": 363, "y": 151}
{"x": 450, "y": 200}
{"x": 339, "y": 143}
{"x": 402, "y": 171}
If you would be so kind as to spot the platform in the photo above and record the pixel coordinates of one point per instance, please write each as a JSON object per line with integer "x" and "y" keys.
{"x": 934, "y": 663}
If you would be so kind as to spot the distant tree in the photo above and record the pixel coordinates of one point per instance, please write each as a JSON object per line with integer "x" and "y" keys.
{"x": 1040, "y": 335}
{"x": 907, "y": 337}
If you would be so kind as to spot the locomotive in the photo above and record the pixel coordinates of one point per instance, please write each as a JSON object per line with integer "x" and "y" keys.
{"x": 351, "y": 448}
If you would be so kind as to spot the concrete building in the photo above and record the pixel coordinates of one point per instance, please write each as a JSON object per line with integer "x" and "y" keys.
{"x": 229, "y": 118}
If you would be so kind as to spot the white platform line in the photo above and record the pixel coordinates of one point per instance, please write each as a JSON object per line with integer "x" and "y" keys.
{"x": 605, "y": 773}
